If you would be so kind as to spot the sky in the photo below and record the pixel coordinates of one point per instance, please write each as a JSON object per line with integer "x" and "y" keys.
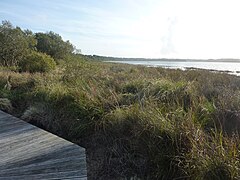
{"x": 196, "y": 29}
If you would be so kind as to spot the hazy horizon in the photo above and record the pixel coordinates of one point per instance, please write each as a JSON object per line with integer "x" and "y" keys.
{"x": 188, "y": 29}
{"x": 161, "y": 58}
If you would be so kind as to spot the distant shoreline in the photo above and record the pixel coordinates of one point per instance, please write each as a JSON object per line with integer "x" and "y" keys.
{"x": 181, "y": 60}
{"x": 106, "y": 58}
{"x": 148, "y": 64}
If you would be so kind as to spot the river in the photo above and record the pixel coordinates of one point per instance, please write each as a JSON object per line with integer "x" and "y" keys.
{"x": 229, "y": 67}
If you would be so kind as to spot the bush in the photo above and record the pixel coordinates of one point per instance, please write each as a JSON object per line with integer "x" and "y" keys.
{"x": 37, "y": 62}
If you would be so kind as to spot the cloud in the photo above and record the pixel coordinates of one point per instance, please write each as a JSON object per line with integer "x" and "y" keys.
{"x": 167, "y": 40}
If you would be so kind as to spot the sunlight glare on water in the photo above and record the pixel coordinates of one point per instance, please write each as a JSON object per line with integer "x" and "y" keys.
{"x": 230, "y": 67}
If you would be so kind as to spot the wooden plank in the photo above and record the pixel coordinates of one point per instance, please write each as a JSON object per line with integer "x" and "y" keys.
{"x": 28, "y": 152}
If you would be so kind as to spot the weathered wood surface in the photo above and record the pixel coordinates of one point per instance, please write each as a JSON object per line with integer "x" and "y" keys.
{"x": 28, "y": 152}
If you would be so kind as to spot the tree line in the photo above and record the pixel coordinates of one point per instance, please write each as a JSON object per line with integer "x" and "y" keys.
{"x": 28, "y": 51}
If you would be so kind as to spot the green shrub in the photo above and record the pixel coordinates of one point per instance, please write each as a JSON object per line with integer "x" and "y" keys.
{"x": 134, "y": 87}
{"x": 37, "y": 62}
{"x": 218, "y": 172}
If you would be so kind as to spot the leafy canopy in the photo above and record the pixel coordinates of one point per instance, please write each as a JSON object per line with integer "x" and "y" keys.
{"x": 13, "y": 44}
{"x": 53, "y": 45}
{"x": 37, "y": 62}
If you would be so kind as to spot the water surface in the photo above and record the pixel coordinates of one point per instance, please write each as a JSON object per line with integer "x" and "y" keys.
{"x": 230, "y": 67}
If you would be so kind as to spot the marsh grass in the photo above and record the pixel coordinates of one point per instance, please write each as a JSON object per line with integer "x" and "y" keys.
{"x": 150, "y": 123}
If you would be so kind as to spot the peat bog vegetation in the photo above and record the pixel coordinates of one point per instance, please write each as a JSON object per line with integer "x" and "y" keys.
{"x": 135, "y": 122}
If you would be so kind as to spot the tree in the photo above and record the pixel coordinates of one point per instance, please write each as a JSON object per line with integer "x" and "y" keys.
{"x": 13, "y": 44}
{"x": 37, "y": 62}
{"x": 32, "y": 42}
{"x": 53, "y": 45}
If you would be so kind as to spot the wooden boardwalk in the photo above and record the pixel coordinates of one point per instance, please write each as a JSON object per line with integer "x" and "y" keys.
{"x": 28, "y": 152}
